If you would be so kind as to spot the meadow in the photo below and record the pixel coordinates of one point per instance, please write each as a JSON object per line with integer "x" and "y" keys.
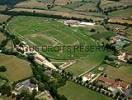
{"x": 125, "y": 13}
{"x": 17, "y": 69}
{"x": 123, "y": 73}
{"x": 40, "y": 31}
{"x": 76, "y": 92}
{"x": 87, "y": 63}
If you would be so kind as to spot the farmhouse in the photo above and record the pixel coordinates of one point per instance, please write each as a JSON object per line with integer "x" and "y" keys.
{"x": 122, "y": 56}
{"x": 87, "y": 23}
{"x": 119, "y": 41}
{"x": 125, "y": 57}
{"x": 25, "y": 85}
{"x": 88, "y": 77}
{"x": 71, "y": 22}
{"x": 24, "y": 49}
{"x": 43, "y": 61}
{"x": 120, "y": 31}
{"x": 112, "y": 84}
{"x": 78, "y": 23}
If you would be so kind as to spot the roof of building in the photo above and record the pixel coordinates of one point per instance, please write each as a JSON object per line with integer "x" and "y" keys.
{"x": 113, "y": 83}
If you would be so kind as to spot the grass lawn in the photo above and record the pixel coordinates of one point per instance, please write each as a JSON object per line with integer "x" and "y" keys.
{"x": 47, "y": 27}
{"x": 87, "y": 63}
{"x": 43, "y": 31}
{"x": 76, "y": 92}
{"x": 17, "y": 69}
{"x": 102, "y": 35}
{"x": 49, "y": 32}
{"x": 124, "y": 72}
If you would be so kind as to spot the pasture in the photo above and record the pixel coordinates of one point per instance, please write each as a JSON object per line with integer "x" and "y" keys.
{"x": 125, "y": 13}
{"x": 17, "y": 69}
{"x": 48, "y": 32}
{"x": 76, "y": 92}
{"x": 124, "y": 72}
{"x": 87, "y": 63}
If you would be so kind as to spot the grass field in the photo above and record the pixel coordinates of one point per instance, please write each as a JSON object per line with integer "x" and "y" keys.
{"x": 43, "y": 31}
{"x": 75, "y": 92}
{"x": 124, "y": 72}
{"x": 108, "y": 3}
{"x": 122, "y": 13}
{"x": 17, "y": 69}
{"x": 87, "y": 63}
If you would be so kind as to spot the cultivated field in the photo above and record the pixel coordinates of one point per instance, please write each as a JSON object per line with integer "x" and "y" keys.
{"x": 32, "y": 4}
{"x": 124, "y": 72}
{"x": 17, "y": 69}
{"x": 108, "y": 3}
{"x": 76, "y": 92}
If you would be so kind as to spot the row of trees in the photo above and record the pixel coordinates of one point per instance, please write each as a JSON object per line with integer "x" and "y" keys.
{"x": 34, "y": 13}
{"x": 93, "y": 86}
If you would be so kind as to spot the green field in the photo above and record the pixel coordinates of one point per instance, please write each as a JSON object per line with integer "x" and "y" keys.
{"x": 75, "y": 92}
{"x": 87, "y": 63}
{"x": 123, "y": 73}
{"x": 122, "y": 13}
{"x": 43, "y": 31}
{"x": 17, "y": 69}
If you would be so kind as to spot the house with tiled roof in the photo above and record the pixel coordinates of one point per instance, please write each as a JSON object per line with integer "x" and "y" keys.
{"x": 112, "y": 84}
